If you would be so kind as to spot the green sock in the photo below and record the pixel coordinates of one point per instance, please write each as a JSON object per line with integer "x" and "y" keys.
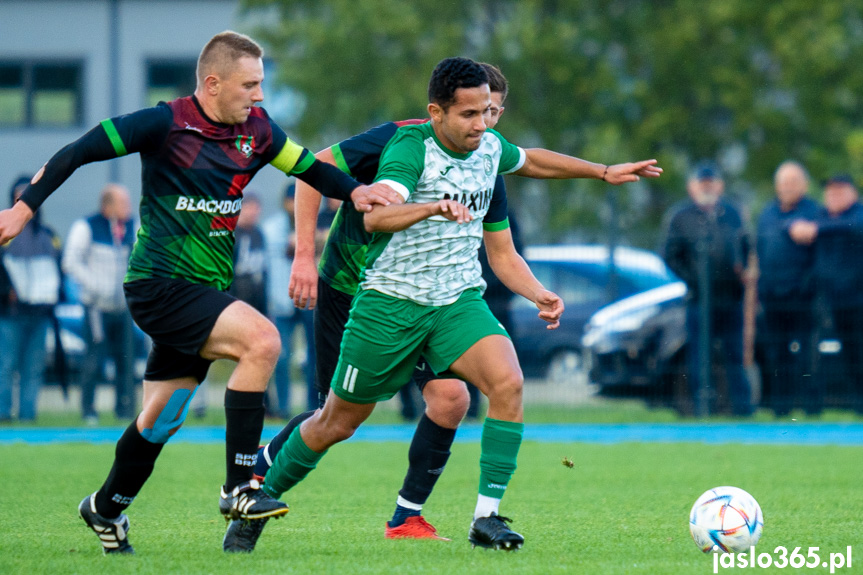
{"x": 294, "y": 461}
{"x": 499, "y": 451}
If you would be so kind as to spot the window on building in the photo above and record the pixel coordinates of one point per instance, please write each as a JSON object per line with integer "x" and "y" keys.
{"x": 169, "y": 80}
{"x": 40, "y": 94}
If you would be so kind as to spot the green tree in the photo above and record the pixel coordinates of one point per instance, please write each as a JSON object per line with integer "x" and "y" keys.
{"x": 747, "y": 83}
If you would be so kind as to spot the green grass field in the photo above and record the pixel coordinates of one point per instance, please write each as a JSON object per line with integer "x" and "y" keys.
{"x": 622, "y": 509}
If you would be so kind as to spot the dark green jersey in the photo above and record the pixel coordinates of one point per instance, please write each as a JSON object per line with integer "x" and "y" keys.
{"x": 345, "y": 252}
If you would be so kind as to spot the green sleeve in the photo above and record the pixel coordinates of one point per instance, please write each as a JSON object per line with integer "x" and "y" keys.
{"x": 511, "y": 158}
{"x": 341, "y": 163}
{"x": 403, "y": 160}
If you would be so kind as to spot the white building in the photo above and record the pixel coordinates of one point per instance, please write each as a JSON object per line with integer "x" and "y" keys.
{"x": 65, "y": 65}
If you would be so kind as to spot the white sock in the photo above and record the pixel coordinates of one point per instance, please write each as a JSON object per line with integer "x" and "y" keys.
{"x": 485, "y": 506}
{"x": 402, "y": 502}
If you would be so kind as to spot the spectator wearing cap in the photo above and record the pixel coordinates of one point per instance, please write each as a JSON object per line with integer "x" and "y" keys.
{"x": 786, "y": 292}
{"x": 706, "y": 245}
{"x": 837, "y": 234}
{"x": 30, "y": 287}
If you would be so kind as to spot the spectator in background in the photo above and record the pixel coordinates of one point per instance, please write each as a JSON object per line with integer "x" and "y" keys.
{"x": 30, "y": 287}
{"x": 786, "y": 291}
{"x": 250, "y": 256}
{"x": 837, "y": 233}
{"x": 279, "y": 234}
{"x": 706, "y": 246}
{"x": 96, "y": 256}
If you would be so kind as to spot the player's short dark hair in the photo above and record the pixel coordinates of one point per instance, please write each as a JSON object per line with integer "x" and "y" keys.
{"x": 225, "y": 48}
{"x": 451, "y": 74}
{"x": 496, "y": 80}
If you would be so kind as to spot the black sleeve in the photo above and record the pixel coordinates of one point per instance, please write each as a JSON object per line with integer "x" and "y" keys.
{"x": 137, "y": 132}
{"x": 498, "y": 210}
{"x": 328, "y": 180}
{"x": 361, "y": 154}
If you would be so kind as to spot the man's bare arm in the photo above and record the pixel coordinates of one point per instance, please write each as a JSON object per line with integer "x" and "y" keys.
{"x": 303, "y": 287}
{"x": 508, "y": 265}
{"x": 545, "y": 164}
{"x": 398, "y": 217}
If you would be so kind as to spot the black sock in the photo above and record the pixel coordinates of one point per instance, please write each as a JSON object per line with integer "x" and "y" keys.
{"x": 244, "y": 421}
{"x": 279, "y": 440}
{"x": 428, "y": 454}
{"x": 134, "y": 459}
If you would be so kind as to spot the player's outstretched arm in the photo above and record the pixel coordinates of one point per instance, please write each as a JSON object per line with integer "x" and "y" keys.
{"x": 545, "y": 164}
{"x": 138, "y": 131}
{"x": 398, "y": 217}
{"x": 334, "y": 183}
{"x": 513, "y": 271}
{"x": 13, "y": 220}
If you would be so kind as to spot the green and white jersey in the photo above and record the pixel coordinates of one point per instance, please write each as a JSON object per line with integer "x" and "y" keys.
{"x": 435, "y": 260}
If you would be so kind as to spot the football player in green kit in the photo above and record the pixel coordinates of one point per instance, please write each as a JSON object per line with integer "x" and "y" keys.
{"x": 421, "y": 288}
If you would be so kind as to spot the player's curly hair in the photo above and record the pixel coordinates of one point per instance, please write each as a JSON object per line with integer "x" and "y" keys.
{"x": 451, "y": 74}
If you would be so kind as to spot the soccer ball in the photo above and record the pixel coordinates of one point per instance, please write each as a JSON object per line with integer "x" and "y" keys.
{"x": 725, "y": 520}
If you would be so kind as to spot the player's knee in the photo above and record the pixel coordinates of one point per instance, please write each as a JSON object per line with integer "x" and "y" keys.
{"x": 320, "y": 432}
{"x": 340, "y": 431}
{"x": 264, "y": 343}
{"x": 447, "y": 398}
{"x": 508, "y": 385}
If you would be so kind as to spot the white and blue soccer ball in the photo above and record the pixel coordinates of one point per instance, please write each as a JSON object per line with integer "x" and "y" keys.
{"x": 726, "y": 520}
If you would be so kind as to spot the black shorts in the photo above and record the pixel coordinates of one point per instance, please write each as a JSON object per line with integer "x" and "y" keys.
{"x": 178, "y": 316}
{"x": 331, "y": 315}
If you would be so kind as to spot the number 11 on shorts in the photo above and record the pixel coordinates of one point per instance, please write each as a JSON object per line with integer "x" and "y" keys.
{"x": 350, "y": 379}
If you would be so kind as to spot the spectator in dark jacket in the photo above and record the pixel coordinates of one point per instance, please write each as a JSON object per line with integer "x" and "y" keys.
{"x": 707, "y": 247}
{"x": 786, "y": 291}
{"x": 30, "y": 287}
{"x": 837, "y": 233}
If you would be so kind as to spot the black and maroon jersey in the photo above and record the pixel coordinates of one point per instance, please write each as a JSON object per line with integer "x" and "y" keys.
{"x": 192, "y": 178}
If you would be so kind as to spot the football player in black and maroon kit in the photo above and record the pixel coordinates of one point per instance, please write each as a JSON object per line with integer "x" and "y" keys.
{"x": 197, "y": 155}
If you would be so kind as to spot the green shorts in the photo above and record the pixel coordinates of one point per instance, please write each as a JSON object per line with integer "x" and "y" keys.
{"x": 385, "y": 337}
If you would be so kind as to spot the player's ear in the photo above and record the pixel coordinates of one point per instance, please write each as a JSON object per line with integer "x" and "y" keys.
{"x": 435, "y": 112}
{"x": 212, "y": 84}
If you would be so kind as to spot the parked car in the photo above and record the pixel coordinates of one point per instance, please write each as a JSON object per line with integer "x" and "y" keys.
{"x": 583, "y": 277}
{"x": 638, "y": 342}
{"x": 637, "y": 346}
